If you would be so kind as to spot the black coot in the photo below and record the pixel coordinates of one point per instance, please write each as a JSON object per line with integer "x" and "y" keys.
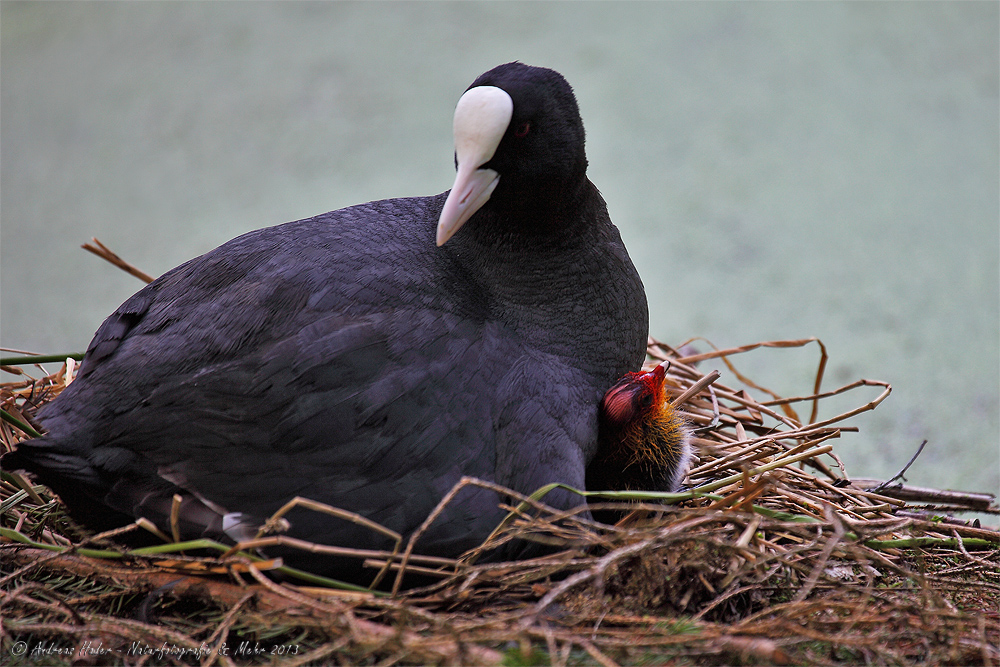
{"x": 355, "y": 359}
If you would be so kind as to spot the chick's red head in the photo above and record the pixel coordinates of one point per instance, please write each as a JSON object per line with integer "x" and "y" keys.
{"x": 635, "y": 396}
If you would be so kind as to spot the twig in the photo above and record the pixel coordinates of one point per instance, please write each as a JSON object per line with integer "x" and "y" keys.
{"x": 971, "y": 500}
{"x": 105, "y": 253}
{"x": 899, "y": 475}
{"x": 696, "y": 388}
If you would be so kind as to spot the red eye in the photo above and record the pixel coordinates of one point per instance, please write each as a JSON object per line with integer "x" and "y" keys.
{"x": 523, "y": 130}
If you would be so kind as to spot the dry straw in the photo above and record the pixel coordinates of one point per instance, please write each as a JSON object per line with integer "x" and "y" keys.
{"x": 772, "y": 555}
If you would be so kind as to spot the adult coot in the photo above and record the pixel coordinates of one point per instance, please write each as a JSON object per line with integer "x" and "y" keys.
{"x": 354, "y": 359}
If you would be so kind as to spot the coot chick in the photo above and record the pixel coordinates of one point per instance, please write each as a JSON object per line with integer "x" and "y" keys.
{"x": 643, "y": 443}
{"x": 349, "y": 359}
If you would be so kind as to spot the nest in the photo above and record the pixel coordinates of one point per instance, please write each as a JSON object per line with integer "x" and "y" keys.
{"x": 773, "y": 555}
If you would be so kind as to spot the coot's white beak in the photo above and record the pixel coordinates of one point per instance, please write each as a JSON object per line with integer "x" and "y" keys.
{"x": 481, "y": 119}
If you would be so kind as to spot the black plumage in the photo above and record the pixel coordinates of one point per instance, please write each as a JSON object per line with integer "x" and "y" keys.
{"x": 348, "y": 359}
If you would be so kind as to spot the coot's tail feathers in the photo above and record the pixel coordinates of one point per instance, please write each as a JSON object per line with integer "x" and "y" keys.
{"x": 57, "y": 466}
{"x": 106, "y": 499}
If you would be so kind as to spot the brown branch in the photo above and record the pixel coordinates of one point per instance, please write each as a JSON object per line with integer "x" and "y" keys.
{"x": 105, "y": 253}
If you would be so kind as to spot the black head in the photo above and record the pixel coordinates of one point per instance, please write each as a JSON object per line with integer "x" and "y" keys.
{"x": 541, "y": 158}
{"x": 519, "y": 153}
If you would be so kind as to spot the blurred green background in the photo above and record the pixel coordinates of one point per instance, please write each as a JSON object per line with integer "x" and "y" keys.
{"x": 777, "y": 170}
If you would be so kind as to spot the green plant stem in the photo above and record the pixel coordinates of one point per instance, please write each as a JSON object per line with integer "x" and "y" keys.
{"x": 174, "y": 547}
{"x": 11, "y": 419}
{"x": 40, "y": 359}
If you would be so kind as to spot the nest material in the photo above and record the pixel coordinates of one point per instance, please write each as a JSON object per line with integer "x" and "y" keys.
{"x": 772, "y": 557}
